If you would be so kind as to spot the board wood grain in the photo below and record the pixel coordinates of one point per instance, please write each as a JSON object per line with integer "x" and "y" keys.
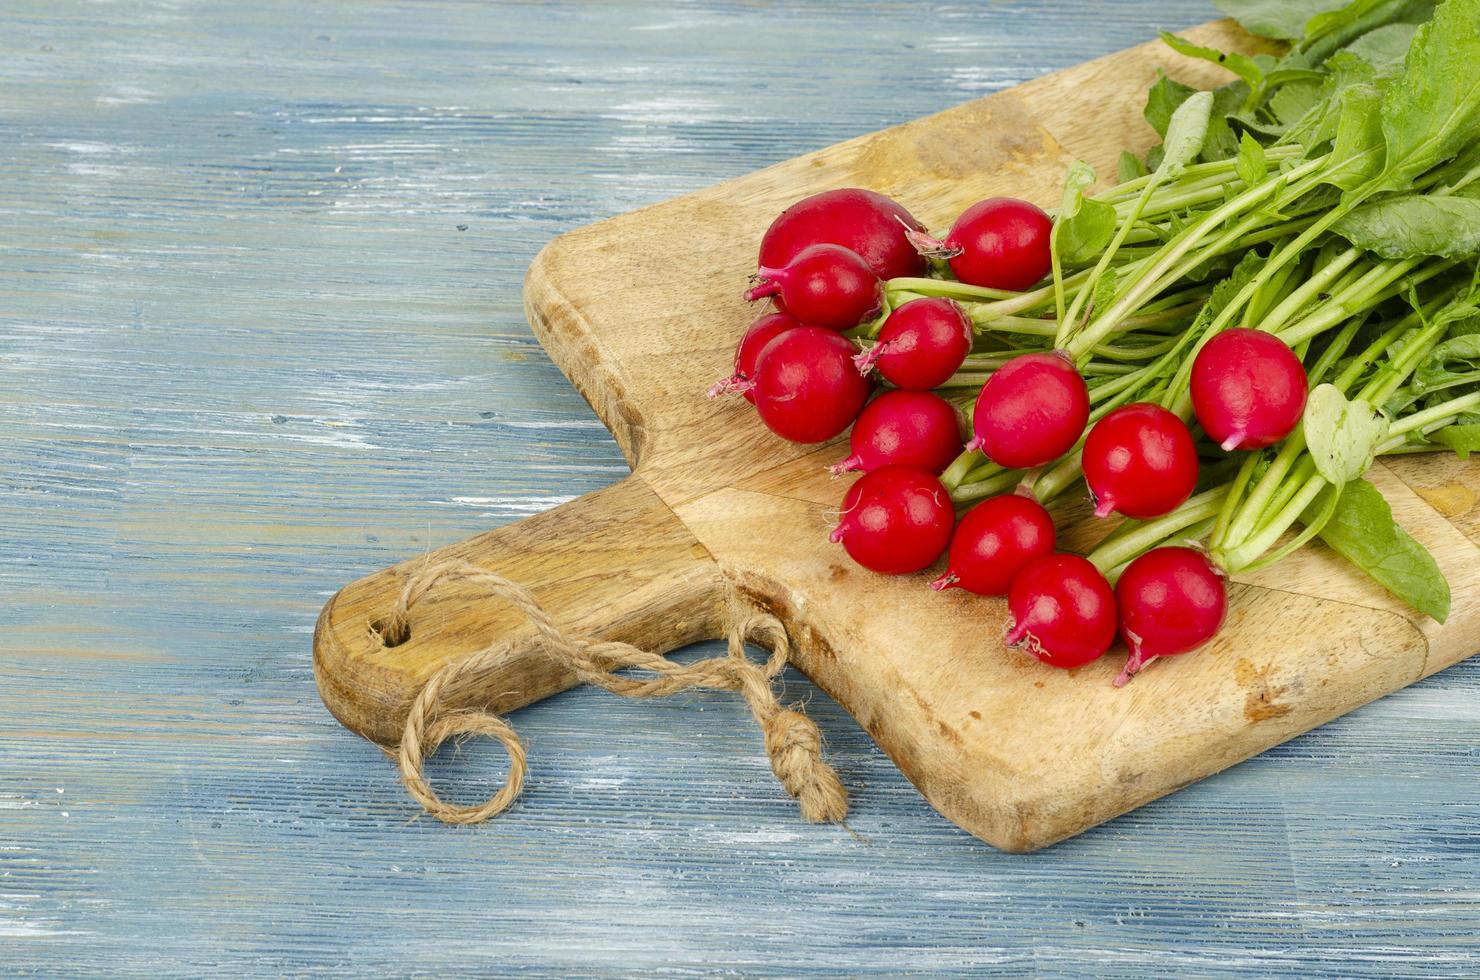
{"x": 641, "y": 312}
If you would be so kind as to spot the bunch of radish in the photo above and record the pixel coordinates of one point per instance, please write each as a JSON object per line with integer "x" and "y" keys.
{"x": 824, "y": 262}
{"x": 1210, "y": 353}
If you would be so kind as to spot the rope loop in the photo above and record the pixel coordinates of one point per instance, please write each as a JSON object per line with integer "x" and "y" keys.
{"x": 793, "y": 742}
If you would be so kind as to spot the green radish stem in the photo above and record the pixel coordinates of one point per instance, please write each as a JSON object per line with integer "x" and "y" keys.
{"x": 1243, "y": 555}
{"x": 1107, "y": 255}
{"x": 1174, "y": 250}
{"x": 1437, "y": 416}
{"x": 1148, "y": 534}
{"x": 1307, "y": 291}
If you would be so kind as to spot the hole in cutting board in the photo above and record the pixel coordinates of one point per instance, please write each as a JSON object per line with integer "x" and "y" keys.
{"x": 391, "y": 634}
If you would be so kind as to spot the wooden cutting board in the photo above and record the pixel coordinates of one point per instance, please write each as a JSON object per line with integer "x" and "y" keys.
{"x": 642, "y": 313}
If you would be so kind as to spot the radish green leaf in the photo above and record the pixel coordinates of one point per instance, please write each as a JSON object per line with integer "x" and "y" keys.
{"x": 1342, "y": 436}
{"x": 1084, "y": 225}
{"x": 1362, "y": 531}
{"x": 1241, "y": 65}
{"x": 1251, "y": 165}
{"x": 1432, "y": 109}
{"x": 1414, "y": 225}
{"x": 1463, "y": 439}
{"x": 1186, "y": 131}
{"x": 1282, "y": 19}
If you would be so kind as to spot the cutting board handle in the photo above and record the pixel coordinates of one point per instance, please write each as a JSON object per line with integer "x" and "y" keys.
{"x": 615, "y": 564}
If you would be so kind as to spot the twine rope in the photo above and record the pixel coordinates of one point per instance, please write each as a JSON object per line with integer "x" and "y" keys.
{"x": 792, "y": 740}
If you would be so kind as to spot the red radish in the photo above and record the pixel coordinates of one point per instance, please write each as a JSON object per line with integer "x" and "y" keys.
{"x": 1248, "y": 389}
{"x": 1031, "y": 411}
{"x": 994, "y": 541}
{"x": 921, "y": 344}
{"x": 866, "y": 222}
{"x": 1001, "y": 243}
{"x": 759, "y": 334}
{"x": 906, "y": 428}
{"x": 1139, "y": 460}
{"x": 824, "y": 285}
{"x": 806, "y": 388}
{"x": 1171, "y": 600}
{"x": 896, "y": 519}
{"x": 1063, "y": 609}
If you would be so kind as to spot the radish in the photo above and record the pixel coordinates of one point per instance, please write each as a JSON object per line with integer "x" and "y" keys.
{"x": 866, "y": 222}
{"x": 757, "y": 336}
{"x": 993, "y": 542}
{"x": 1063, "y": 609}
{"x": 1139, "y": 460}
{"x": 824, "y": 285}
{"x": 1171, "y": 600}
{"x": 1031, "y": 411}
{"x": 906, "y": 428}
{"x": 806, "y": 388}
{"x": 921, "y": 344}
{"x": 1248, "y": 389}
{"x": 896, "y": 519}
{"x": 1001, "y": 243}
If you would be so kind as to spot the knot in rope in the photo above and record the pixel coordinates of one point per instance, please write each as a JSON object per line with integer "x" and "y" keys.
{"x": 793, "y": 743}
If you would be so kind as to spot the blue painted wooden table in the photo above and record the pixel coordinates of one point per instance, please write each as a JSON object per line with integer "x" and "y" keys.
{"x": 261, "y": 334}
